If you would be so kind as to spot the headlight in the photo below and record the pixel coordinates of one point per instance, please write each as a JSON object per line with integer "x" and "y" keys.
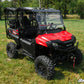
{"x": 55, "y": 44}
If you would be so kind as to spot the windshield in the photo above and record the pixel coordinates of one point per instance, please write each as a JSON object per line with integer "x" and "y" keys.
{"x": 49, "y": 20}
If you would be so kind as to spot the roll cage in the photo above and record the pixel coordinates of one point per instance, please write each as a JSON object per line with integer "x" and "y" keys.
{"x": 7, "y": 11}
{"x": 25, "y": 14}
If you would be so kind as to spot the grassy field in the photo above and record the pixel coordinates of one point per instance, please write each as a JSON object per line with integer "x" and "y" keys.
{"x": 21, "y": 70}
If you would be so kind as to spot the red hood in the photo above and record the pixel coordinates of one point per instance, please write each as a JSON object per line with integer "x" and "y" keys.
{"x": 62, "y": 36}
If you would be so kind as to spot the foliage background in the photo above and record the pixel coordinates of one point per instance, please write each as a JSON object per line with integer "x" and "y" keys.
{"x": 66, "y": 6}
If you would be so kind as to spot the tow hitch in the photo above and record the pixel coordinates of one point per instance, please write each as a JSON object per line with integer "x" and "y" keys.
{"x": 74, "y": 60}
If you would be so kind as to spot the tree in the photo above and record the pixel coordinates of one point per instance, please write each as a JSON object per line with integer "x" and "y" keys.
{"x": 64, "y": 6}
{"x": 72, "y": 7}
{"x": 80, "y": 9}
{"x": 21, "y": 2}
{"x": 15, "y": 3}
{"x": 57, "y": 4}
{"x": 0, "y": 9}
{"x": 5, "y": 4}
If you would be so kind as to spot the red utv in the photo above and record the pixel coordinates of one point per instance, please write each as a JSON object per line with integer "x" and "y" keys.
{"x": 41, "y": 35}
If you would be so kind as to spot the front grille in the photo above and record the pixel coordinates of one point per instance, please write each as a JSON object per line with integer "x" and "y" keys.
{"x": 67, "y": 47}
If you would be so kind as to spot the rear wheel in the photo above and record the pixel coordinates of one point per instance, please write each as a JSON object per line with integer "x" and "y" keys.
{"x": 44, "y": 67}
{"x": 11, "y": 50}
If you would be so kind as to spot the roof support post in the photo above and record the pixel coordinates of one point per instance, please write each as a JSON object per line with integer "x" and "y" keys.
{"x": 39, "y": 3}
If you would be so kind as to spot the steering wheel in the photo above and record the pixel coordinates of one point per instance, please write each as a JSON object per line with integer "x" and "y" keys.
{"x": 33, "y": 22}
{"x": 51, "y": 26}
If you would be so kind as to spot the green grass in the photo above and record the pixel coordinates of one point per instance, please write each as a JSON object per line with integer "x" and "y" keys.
{"x": 21, "y": 71}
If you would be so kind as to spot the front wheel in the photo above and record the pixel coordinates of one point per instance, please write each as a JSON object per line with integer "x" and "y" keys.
{"x": 44, "y": 67}
{"x": 78, "y": 56}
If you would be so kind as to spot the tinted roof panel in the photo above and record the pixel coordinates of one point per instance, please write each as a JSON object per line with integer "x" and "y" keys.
{"x": 9, "y": 9}
{"x": 31, "y": 9}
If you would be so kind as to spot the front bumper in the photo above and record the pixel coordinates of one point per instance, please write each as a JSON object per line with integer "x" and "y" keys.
{"x": 67, "y": 48}
{"x": 70, "y": 49}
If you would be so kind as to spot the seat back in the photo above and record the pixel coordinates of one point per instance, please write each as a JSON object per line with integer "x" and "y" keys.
{"x": 25, "y": 22}
{"x": 29, "y": 31}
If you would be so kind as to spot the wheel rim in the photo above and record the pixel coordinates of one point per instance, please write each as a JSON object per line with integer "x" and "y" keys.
{"x": 42, "y": 69}
{"x": 9, "y": 51}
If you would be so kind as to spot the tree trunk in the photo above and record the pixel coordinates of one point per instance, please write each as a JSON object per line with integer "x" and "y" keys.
{"x": 81, "y": 16}
{"x": 65, "y": 15}
{"x": 0, "y": 14}
{"x": 0, "y": 17}
{"x": 65, "y": 11}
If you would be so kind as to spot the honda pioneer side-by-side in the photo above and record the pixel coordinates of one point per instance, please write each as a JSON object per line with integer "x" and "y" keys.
{"x": 41, "y": 35}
